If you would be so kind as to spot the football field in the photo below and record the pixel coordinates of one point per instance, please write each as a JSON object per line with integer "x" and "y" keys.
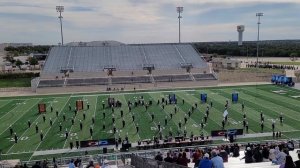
{"x": 17, "y": 111}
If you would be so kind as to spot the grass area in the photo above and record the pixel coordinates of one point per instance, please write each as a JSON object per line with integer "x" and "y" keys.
{"x": 19, "y": 82}
{"x": 17, "y": 111}
{"x": 286, "y": 63}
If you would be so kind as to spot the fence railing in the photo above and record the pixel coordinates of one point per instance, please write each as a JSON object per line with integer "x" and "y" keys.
{"x": 15, "y": 89}
{"x": 125, "y": 158}
{"x": 142, "y": 162}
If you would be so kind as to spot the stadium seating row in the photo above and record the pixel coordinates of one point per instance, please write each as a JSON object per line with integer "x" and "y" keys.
{"x": 123, "y": 80}
{"x": 124, "y": 57}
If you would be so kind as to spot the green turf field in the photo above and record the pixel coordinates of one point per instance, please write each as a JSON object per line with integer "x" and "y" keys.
{"x": 16, "y": 111}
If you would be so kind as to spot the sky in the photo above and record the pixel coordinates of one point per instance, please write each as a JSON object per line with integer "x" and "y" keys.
{"x": 146, "y": 21}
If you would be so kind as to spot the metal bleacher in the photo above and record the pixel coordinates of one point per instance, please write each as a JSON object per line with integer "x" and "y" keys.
{"x": 199, "y": 77}
{"x": 172, "y": 78}
{"x": 87, "y": 81}
{"x": 125, "y": 57}
{"x": 129, "y": 80}
{"x": 93, "y": 65}
{"x": 51, "y": 83}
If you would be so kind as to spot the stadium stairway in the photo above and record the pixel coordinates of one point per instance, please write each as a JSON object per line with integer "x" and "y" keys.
{"x": 192, "y": 77}
{"x": 151, "y": 78}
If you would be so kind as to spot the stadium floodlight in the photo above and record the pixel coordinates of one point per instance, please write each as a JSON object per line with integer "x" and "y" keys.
{"x": 179, "y": 11}
{"x": 60, "y": 9}
{"x": 257, "y": 43}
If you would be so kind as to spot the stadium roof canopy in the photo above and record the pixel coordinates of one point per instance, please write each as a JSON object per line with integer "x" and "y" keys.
{"x": 124, "y": 57}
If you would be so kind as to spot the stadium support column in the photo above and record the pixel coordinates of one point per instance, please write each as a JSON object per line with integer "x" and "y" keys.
{"x": 179, "y": 11}
{"x": 257, "y": 43}
{"x": 60, "y": 9}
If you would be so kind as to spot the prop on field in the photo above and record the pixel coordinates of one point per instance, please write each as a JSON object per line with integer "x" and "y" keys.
{"x": 235, "y": 97}
{"x": 42, "y": 108}
{"x": 79, "y": 105}
{"x": 203, "y": 97}
{"x": 113, "y": 103}
{"x": 172, "y": 99}
{"x": 282, "y": 80}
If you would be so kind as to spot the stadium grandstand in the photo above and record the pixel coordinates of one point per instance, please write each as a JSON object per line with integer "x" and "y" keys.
{"x": 137, "y": 66}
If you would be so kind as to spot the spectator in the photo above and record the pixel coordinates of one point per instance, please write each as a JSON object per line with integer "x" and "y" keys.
{"x": 257, "y": 155}
{"x": 196, "y": 157}
{"x": 224, "y": 155}
{"x": 158, "y": 157}
{"x": 217, "y": 161}
{"x": 179, "y": 157}
{"x": 205, "y": 162}
{"x": 236, "y": 151}
{"x": 168, "y": 158}
{"x": 91, "y": 164}
{"x": 36, "y": 165}
{"x": 272, "y": 153}
{"x": 280, "y": 157}
{"x": 71, "y": 164}
{"x": 288, "y": 163}
{"x": 297, "y": 163}
{"x": 183, "y": 160}
{"x": 265, "y": 153}
{"x": 248, "y": 155}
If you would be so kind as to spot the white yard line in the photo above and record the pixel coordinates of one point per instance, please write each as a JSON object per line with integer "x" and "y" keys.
{"x": 51, "y": 127}
{"x": 20, "y": 116}
{"x": 8, "y": 101}
{"x": 123, "y": 97}
{"x": 71, "y": 126}
{"x": 11, "y": 111}
{"x": 95, "y": 111}
{"x": 27, "y": 129}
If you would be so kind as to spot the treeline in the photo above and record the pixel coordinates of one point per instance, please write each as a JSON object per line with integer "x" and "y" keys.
{"x": 276, "y": 48}
{"x": 25, "y": 50}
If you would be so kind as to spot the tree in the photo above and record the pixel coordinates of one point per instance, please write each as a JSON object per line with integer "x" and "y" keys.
{"x": 19, "y": 63}
{"x": 32, "y": 61}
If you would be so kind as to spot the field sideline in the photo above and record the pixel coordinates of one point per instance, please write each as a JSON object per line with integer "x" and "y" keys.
{"x": 18, "y": 110}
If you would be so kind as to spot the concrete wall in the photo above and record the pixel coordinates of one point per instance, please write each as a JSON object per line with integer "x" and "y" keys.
{"x": 127, "y": 87}
{"x": 233, "y": 76}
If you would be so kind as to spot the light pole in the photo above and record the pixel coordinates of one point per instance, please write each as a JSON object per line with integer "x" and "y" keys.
{"x": 179, "y": 11}
{"x": 257, "y": 43}
{"x": 60, "y": 9}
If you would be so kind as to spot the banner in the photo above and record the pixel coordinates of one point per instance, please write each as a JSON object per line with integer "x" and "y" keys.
{"x": 96, "y": 143}
{"x": 79, "y": 105}
{"x": 42, "y": 108}
{"x": 215, "y": 133}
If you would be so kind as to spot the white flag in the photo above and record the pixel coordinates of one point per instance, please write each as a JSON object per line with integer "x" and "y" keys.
{"x": 225, "y": 113}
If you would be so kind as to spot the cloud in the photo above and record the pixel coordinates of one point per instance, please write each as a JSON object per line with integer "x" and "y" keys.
{"x": 143, "y": 21}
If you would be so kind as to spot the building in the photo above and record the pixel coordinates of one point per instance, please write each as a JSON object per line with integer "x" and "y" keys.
{"x": 225, "y": 63}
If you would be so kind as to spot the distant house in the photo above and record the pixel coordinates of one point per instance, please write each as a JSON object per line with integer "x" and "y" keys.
{"x": 39, "y": 56}
{"x": 225, "y": 63}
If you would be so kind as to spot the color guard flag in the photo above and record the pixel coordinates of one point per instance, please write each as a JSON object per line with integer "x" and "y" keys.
{"x": 225, "y": 113}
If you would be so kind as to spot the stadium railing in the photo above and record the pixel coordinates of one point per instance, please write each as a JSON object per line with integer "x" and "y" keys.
{"x": 125, "y": 157}
{"x": 138, "y": 161}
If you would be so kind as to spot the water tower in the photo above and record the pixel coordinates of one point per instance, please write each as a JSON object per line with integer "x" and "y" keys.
{"x": 240, "y": 29}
